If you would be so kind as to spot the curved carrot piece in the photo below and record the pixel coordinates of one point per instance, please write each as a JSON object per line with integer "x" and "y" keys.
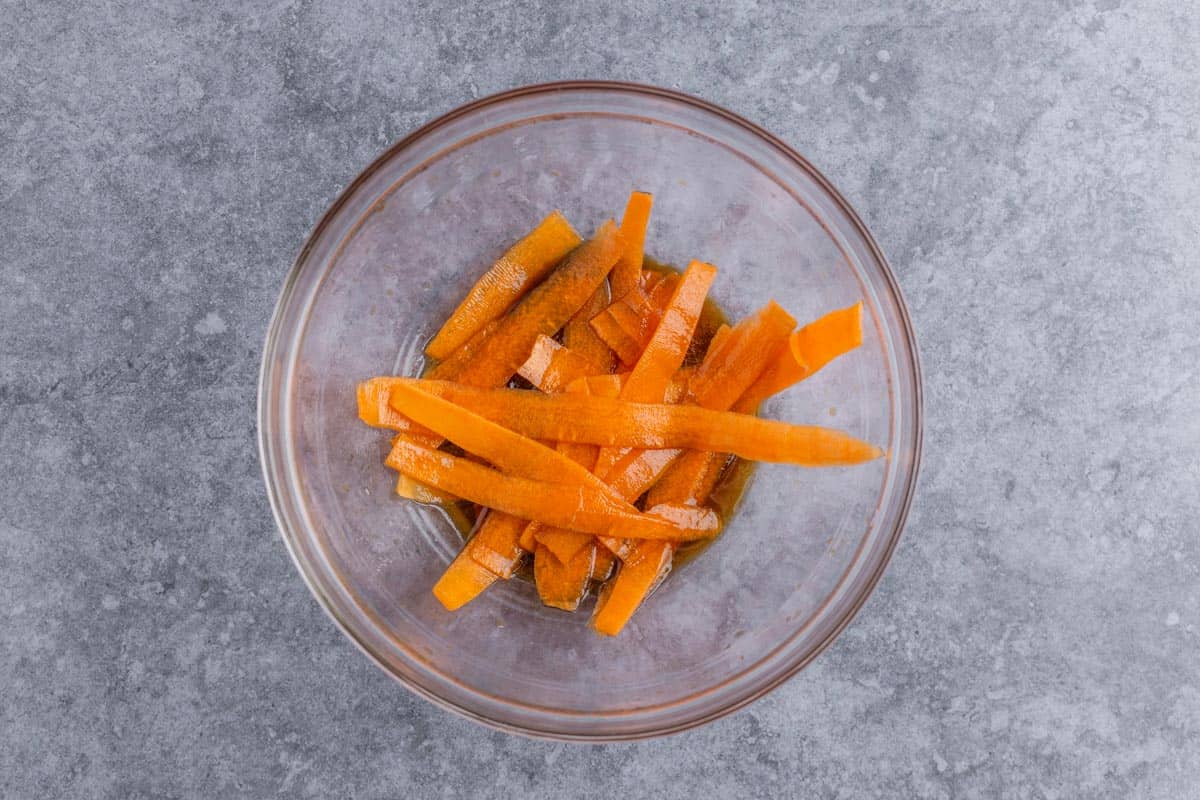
{"x": 574, "y": 507}
{"x": 811, "y": 348}
{"x": 551, "y": 366}
{"x": 543, "y": 311}
{"x": 636, "y": 579}
{"x": 513, "y": 274}
{"x": 579, "y": 337}
{"x": 628, "y": 270}
{"x": 735, "y": 360}
{"x": 508, "y": 451}
{"x": 617, "y": 423}
{"x": 667, "y": 348}
{"x": 562, "y": 585}
{"x": 462, "y": 582}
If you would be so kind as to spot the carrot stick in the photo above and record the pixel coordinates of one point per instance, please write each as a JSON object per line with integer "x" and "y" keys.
{"x": 617, "y": 423}
{"x": 509, "y": 451}
{"x": 627, "y": 324}
{"x": 514, "y": 274}
{"x": 811, "y": 348}
{"x": 691, "y": 478}
{"x": 636, "y": 579}
{"x": 409, "y": 489}
{"x": 602, "y": 566}
{"x": 544, "y": 310}
{"x": 579, "y": 337}
{"x": 563, "y": 543}
{"x": 574, "y": 507}
{"x": 551, "y": 366}
{"x": 462, "y": 582}
{"x": 628, "y": 270}
{"x": 495, "y": 544}
{"x": 667, "y": 348}
{"x": 562, "y": 585}
{"x": 738, "y": 358}
{"x": 449, "y": 369}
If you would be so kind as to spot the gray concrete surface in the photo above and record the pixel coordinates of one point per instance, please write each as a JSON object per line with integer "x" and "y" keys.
{"x": 1032, "y": 171}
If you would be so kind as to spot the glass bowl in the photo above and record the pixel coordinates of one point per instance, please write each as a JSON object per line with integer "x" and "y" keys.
{"x": 393, "y": 256}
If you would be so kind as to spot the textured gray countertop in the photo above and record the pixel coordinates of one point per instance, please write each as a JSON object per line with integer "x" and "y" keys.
{"x": 1032, "y": 173}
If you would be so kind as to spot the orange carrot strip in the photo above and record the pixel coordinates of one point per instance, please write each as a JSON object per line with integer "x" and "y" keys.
{"x": 514, "y": 274}
{"x": 738, "y": 358}
{"x": 667, "y": 348}
{"x": 574, "y": 507}
{"x": 562, "y": 585}
{"x": 812, "y": 347}
{"x": 691, "y": 478}
{"x": 628, "y": 270}
{"x": 495, "y": 544}
{"x": 636, "y": 579}
{"x": 528, "y": 540}
{"x": 603, "y": 564}
{"x": 551, "y": 366}
{"x": 508, "y": 451}
{"x": 448, "y": 369}
{"x": 579, "y": 337}
{"x": 544, "y": 310}
{"x": 618, "y": 423}
{"x": 563, "y": 543}
{"x": 615, "y": 337}
{"x": 409, "y": 489}
{"x": 462, "y": 582}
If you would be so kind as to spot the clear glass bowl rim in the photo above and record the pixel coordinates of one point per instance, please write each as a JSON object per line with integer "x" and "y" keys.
{"x": 267, "y": 429}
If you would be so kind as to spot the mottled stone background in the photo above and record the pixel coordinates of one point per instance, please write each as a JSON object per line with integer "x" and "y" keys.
{"x": 1030, "y": 168}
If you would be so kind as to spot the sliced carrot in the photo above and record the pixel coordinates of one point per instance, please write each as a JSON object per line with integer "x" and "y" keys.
{"x": 668, "y": 346}
{"x": 738, "y": 358}
{"x": 562, "y": 585}
{"x": 509, "y": 451}
{"x": 551, "y": 366}
{"x": 544, "y": 310}
{"x": 628, "y": 270}
{"x": 528, "y": 540}
{"x": 409, "y": 489}
{"x": 618, "y": 423}
{"x": 602, "y": 566}
{"x": 811, "y": 348}
{"x": 579, "y": 337}
{"x": 573, "y": 507}
{"x": 495, "y": 544}
{"x": 635, "y": 580}
{"x": 513, "y": 274}
{"x": 463, "y": 581}
{"x": 563, "y": 543}
{"x": 627, "y": 324}
{"x": 689, "y": 479}
{"x": 450, "y": 368}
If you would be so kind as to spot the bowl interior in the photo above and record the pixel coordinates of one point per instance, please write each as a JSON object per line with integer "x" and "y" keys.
{"x": 393, "y": 258}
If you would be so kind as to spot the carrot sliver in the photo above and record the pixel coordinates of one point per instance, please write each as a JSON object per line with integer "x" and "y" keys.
{"x": 463, "y": 581}
{"x": 628, "y": 270}
{"x": 509, "y": 451}
{"x": 618, "y": 423}
{"x": 513, "y": 274}
{"x": 409, "y": 489}
{"x": 551, "y": 366}
{"x": 603, "y": 565}
{"x": 558, "y": 505}
{"x": 739, "y": 357}
{"x": 811, "y": 348}
{"x": 449, "y": 368}
{"x": 579, "y": 337}
{"x": 564, "y": 544}
{"x": 562, "y": 585}
{"x": 543, "y": 310}
{"x": 667, "y": 348}
{"x": 496, "y": 544}
{"x": 608, "y": 330}
{"x": 634, "y": 582}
